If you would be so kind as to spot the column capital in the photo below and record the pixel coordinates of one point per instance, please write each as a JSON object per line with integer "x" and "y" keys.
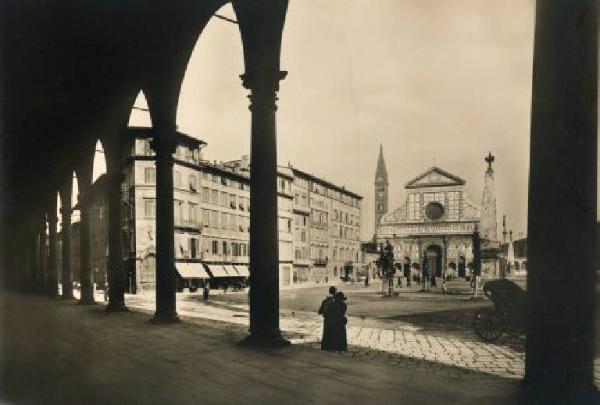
{"x": 115, "y": 177}
{"x": 263, "y": 86}
{"x": 52, "y": 220}
{"x": 264, "y": 79}
{"x": 164, "y": 141}
{"x": 83, "y": 199}
{"x": 42, "y": 226}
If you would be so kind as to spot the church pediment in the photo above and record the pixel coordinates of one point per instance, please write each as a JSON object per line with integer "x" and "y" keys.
{"x": 434, "y": 177}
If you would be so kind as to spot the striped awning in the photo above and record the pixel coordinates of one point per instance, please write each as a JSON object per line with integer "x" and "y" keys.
{"x": 242, "y": 270}
{"x": 217, "y": 270}
{"x": 191, "y": 270}
{"x": 231, "y": 270}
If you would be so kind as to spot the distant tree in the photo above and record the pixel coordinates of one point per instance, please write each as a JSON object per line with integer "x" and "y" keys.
{"x": 386, "y": 267}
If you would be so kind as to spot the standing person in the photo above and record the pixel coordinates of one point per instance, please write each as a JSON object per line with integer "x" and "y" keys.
{"x": 206, "y": 290}
{"x": 337, "y": 314}
{"x": 328, "y": 325}
{"x": 407, "y": 274}
{"x": 425, "y": 276}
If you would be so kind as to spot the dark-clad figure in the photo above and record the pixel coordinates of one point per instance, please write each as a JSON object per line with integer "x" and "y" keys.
{"x": 327, "y": 324}
{"x": 206, "y": 290}
{"x": 337, "y": 318}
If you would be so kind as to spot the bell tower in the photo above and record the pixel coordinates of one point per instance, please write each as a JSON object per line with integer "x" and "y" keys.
{"x": 381, "y": 189}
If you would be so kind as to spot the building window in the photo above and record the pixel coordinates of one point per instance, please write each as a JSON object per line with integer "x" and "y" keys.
{"x": 214, "y": 219}
{"x": 205, "y": 194}
{"x": 206, "y": 217}
{"x": 232, "y": 201}
{"x": 194, "y": 245}
{"x": 215, "y": 247}
{"x": 225, "y": 249}
{"x": 149, "y": 207}
{"x": 177, "y": 175}
{"x": 150, "y": 175}
{"x": 193, "y": 213}
{"x": 214, "y": 196}
{"x": 223, "y": 220}
{"x": 224, "y": 199}
{"x": 147, "y": 148}
{"x": 179, "y": 213}
{"x": 193, "y": 185}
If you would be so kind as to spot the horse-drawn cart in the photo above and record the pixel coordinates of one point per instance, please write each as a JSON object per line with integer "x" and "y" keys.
{"x": 508, "y": 313}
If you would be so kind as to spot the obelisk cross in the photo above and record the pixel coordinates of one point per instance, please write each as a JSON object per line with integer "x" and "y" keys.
{"x": 490, "y": 159}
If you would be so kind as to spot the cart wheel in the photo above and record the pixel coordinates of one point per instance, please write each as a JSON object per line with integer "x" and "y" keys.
{"x": 488, "y": 324}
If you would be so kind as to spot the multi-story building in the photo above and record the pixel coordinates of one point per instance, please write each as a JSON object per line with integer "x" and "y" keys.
{"x": 139, "y": 202}
{"x": 318, "y": 223}
{"x": 327, "y": 229}
{"x": 284, "y": 209}
{"x": 302, "y": 264}
{"x": 225, "y": 205}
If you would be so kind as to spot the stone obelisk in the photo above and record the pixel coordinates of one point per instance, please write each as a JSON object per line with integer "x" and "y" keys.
{"x": 489, "y": 225}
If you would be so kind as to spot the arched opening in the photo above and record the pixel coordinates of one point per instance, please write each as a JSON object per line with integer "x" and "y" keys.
{"x": 99, "y": 166}
{"x": 140, "y": 113}
{"x": 433, "y": 260}
{"x": 212, "y": 95}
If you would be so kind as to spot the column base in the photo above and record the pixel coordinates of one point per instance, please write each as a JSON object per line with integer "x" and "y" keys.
{"x": 86, "y": 301}
{"x": 272, "y": 340}
{"x": 118, "y": 307}
{"x": 163, "y": 318}
{"x": 67, "y": 297}
{"x": 541, "y": 394}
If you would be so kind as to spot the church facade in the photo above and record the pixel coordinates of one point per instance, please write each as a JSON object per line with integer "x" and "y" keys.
{"x": 434, "y": 225}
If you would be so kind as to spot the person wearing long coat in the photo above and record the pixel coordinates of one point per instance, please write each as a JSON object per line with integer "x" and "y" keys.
{"x": 336, "y": 317}
{"x": 328, "y": 327}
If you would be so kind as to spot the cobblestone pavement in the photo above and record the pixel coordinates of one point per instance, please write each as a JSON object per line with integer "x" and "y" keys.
{"x": 58, "y": 352}
{"x": 444, "y": 353}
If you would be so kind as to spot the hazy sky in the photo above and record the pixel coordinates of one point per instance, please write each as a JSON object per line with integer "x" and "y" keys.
{"x": 438, "y": 82}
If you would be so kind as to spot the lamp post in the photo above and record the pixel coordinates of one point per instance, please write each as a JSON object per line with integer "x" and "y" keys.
{"x": 476, "y": 239}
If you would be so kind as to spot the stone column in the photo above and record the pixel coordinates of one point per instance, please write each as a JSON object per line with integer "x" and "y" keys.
{"x": 42, "y": 276}
{"x": 85, "y": 248}
{"x": 116, "y": 271}
{"x": 562, "y": 204}
{"x": 52, "y": 285}
{"x": 67, "y": 278}
{"x": 30, "y": 280}
{"x": 164, "y": 144}
{"x": 264, "y": 237}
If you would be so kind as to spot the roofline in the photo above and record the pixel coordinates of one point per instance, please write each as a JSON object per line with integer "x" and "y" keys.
{"x": 222, "y": 169}
{"x": 407, "y": 185}
{"x": 301, "y": 173}
{"x": 146, "y": 132}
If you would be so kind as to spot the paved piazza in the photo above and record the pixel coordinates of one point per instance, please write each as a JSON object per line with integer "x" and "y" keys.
{"x": 432, "y": 338}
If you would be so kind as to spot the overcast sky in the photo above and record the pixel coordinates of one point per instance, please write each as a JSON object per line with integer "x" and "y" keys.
{"x": 438, "y": 82}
